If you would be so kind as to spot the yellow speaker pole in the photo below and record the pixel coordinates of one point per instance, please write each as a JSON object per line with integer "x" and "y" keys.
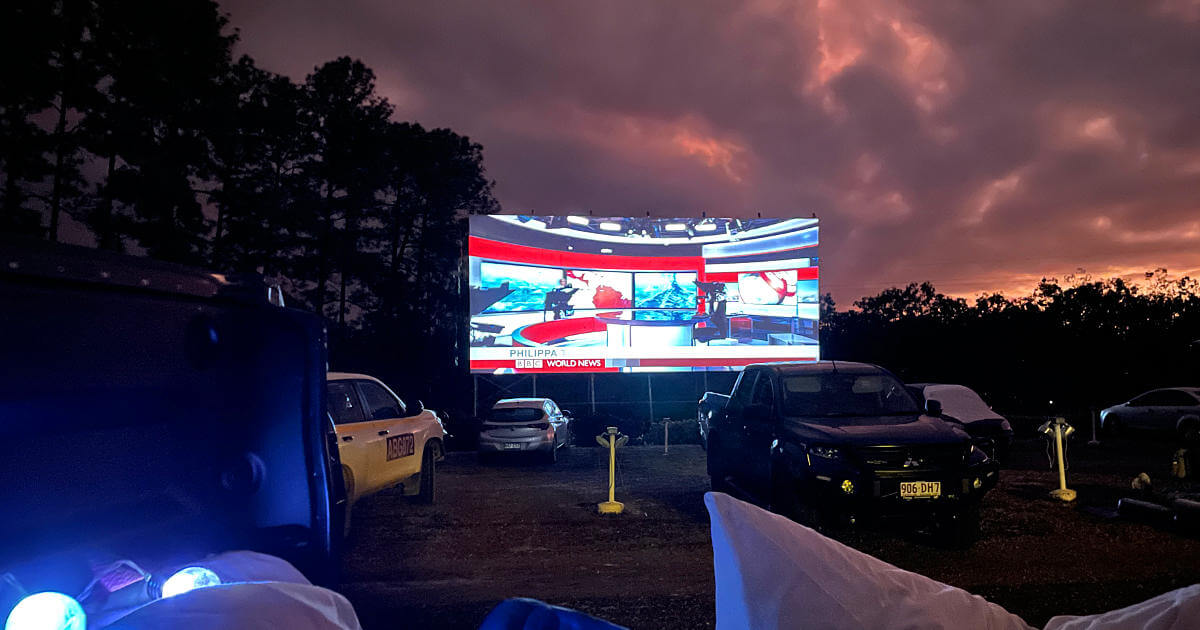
{"x": 610, "y": 439}
{"x": 1063, "y": 493}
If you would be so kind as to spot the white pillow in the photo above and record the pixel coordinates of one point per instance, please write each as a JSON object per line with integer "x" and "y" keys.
{"x": 774, "y": 573}
{"x": 258, "y": 591}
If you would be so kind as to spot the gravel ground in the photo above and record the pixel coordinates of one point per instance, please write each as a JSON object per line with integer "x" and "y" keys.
{"x": 529, "y": 529}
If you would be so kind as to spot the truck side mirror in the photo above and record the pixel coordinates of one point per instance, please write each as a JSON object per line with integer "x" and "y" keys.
{"x": 933, "y": 407}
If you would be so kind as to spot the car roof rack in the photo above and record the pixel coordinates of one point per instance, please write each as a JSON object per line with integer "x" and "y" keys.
{"x": 38, "y": 260}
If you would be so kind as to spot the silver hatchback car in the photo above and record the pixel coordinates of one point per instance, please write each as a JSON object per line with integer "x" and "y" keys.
{"x": 1174, "y": 410}
{"x": 525, "y": 425}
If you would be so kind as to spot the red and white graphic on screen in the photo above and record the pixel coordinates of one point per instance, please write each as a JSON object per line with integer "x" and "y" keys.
{"x": 767, "y": 287}
{"x": 603, "y": 295}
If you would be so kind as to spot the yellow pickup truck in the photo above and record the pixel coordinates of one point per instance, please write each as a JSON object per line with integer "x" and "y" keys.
{"x": 382, "y": 443}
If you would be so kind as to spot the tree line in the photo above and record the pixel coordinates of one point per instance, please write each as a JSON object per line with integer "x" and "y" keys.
{"x": 134, "y": 119}
{"x": 1071, "y": 346}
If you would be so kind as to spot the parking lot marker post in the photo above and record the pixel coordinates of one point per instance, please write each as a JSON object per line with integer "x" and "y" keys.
{"x": 611, "y": 440}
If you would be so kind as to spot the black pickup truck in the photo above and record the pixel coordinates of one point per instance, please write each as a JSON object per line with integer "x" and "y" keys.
{"x": 843, "y": 438}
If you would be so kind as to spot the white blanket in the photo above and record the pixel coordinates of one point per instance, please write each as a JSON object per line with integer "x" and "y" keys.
{"x": 258, "y": 592}
{"x": 774, "y": 573}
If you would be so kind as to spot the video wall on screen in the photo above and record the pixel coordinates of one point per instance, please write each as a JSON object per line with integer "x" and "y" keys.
{"x": 628, "y": 294}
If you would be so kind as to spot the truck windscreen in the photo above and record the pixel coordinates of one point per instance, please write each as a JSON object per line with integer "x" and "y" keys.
{"x": 840, "y": 395}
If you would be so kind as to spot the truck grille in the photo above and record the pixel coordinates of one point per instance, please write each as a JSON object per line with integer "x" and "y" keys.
{"x": 914, "y": 457}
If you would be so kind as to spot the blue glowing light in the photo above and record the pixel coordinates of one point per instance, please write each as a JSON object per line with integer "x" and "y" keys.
{"x": 189, "y": 579}
{"x": 47, "y": 611}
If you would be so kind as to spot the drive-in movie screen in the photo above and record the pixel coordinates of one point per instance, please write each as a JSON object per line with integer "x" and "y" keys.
{"x": 640, "y": 294}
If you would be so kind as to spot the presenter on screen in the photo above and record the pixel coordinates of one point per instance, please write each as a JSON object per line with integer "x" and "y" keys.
{"x": 715, "y": 294}
{"x": 558, "y": 299}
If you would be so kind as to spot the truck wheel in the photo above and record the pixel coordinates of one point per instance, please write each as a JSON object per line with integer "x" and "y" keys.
{"x": 428, "y": 491}
{"x": 348, "y": 481}
{"x": 716, "y": 472}
{"x": 717, "y": 478}
{"x": 783, "y": 501}
{"x": 1189, "y": 431}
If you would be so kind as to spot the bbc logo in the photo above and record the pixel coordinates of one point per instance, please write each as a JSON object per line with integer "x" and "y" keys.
{"x": 532, "y": 364}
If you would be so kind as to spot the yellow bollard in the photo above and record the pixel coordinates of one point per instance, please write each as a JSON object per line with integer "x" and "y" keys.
{"x": 1062, "y": 493}
{"x": 612, "y": 441}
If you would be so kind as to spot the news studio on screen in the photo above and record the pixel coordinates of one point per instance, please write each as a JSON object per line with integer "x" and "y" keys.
{"x": 622, "y": 294}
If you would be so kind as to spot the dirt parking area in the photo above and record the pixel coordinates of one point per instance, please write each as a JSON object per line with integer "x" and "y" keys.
{"x": 529, "y": 529}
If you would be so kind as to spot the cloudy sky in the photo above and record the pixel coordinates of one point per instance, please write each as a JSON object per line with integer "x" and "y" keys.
{"x": 979, "y": 145}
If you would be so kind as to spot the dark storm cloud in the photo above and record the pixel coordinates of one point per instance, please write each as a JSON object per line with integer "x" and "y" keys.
{"x": 978, "y": 145}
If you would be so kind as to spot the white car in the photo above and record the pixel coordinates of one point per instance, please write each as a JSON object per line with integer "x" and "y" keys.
{"x": 525, "y": 425}
{"x": 1173, "y": 410}
{"x": 382, "y": 443}
{"x": 962, "y": 404}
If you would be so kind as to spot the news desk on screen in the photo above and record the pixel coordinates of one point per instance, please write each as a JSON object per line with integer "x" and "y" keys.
{"x": 629, "y": 294}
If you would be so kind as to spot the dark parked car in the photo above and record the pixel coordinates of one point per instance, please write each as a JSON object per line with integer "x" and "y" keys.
{"x": 991, "y": 431}
{"x": 845, "y": 438}
{"x": 1170, "y": 411}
